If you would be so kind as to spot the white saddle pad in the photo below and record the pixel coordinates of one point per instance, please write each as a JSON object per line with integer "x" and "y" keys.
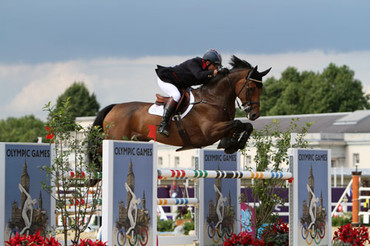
{"x": 158, "y": 109}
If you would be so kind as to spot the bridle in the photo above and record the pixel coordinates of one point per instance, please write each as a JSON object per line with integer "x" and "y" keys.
{"x": 247, "y": 106}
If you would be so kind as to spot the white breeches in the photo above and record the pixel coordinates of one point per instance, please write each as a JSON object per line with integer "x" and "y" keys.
{"x": 169, "y": 89}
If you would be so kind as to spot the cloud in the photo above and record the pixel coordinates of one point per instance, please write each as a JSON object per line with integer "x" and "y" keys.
{"x": 26, "y": 88}
{"x": 35, "y": 85}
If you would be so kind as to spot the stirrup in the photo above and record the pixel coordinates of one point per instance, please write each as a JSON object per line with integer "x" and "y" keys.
{"x": 164, "y": 129}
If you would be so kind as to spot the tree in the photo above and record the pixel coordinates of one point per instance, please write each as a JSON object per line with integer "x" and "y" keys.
{"x": 81, "y": 102}
{"x": 334, "y": 90}
{"x": 271, "y": 144}
{"x": 24, "y": 129}
{"x": 73, "y": 175}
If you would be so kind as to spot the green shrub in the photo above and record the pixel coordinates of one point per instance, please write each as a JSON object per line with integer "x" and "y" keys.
{"x": 188, "y": 226}
{"x": 341, "y": 220}
{"x": 165, "y": 225}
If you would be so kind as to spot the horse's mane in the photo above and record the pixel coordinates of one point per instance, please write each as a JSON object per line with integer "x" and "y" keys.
{"x": 237, "y": 63}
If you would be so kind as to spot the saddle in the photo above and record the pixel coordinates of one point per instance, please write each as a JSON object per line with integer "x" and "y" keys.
{"x": 181, "y": 105}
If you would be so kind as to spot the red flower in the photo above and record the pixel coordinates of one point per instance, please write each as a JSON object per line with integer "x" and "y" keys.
{"x": 50, "y": 135}
{"x": 52, "y": 242}
{"x": 242, "y": 239}
{"x": 355, "y": 236}
{"x": 89, "y": 242}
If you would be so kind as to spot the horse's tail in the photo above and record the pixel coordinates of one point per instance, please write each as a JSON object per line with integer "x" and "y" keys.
{"x": 99, "y": 120}
{"x": 94, "y": 142}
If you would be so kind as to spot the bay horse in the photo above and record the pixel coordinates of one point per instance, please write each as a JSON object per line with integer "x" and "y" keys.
{"x": 211, "y": 118}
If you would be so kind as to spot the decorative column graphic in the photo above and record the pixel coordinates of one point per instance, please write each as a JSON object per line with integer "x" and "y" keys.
{"x": 133, "y": 219}
{"x": 314, "y": 214}
{"x": 26, "y": 217}
{"x": 221, "y": 213}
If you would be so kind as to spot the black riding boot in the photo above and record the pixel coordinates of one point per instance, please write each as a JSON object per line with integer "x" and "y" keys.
{"x": 169, "y": 109}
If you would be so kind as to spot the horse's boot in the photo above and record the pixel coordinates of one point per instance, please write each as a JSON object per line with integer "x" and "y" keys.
{"x": 169, "y": 109}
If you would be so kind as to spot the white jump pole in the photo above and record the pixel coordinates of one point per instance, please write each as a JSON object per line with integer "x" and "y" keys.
{"x": 194, "y": 174}
{"x": 177, "y": 201}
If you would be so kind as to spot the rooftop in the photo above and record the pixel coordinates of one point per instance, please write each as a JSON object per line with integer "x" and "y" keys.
{"x": 348, "y": 122}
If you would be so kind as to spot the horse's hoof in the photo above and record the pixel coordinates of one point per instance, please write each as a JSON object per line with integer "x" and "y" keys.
{"x": 222, "y": 144}
{"x": 230, "y": 151}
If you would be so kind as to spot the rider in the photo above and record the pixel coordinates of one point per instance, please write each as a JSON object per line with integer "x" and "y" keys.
{"x": 195, "y": 71}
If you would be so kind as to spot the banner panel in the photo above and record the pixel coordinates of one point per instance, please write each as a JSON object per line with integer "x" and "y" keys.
{"x": 25, "y": 206}
{"x": 221, "y": 205}
{"x": 133, "y": 199}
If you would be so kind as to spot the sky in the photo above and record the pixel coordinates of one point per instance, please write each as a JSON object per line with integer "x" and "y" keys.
{"x": 113, "y": 46}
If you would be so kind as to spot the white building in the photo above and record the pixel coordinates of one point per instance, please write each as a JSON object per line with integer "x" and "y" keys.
{"x": 346, "y": 134}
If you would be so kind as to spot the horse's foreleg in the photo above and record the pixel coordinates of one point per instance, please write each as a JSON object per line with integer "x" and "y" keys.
{"x": 231, "y": 132}
{"x": 244, "y": 139}
{"x": 235, "y": 142}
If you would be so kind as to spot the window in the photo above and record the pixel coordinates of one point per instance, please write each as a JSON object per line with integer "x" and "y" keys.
{"x": 247, "y": 162}
{"x": 195, "y": 162}
{"x": 356, "y": 159}
{"x": 160, "y": 161}
{"x": 177, "y": 161}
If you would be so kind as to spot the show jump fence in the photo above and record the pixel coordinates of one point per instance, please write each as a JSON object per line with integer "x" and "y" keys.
{"x": 130, "y": 178}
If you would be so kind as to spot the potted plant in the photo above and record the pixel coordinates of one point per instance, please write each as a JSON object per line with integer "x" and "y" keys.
{"x": 183, "y": 215}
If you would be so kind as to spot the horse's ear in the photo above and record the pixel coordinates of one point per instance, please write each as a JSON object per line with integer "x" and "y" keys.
{"x": 265, "y": 72}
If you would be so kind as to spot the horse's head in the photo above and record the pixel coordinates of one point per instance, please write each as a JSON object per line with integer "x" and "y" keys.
{"x": 249, "y": 88}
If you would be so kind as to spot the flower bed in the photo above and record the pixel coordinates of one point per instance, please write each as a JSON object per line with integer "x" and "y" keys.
{"x": 38, "y": 239}
{"x": 273, "y": 235}
{"x": 349, "y": 235}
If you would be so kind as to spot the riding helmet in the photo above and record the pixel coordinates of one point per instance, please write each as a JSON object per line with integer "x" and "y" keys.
{"x": 213, "y": 56}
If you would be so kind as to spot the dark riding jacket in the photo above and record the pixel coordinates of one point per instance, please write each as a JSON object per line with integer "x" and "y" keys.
{"x": 191, "y": 72}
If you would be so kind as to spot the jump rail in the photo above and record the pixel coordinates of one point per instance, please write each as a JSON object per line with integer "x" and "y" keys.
{"x": 177, "y": 201}
{"x": 195, "y": 174}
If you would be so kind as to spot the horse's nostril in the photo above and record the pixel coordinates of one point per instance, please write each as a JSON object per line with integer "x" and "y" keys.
{"x": 253, "y": 116}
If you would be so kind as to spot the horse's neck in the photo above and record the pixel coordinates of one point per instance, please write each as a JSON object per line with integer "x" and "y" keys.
{"x": 218, "y": 91}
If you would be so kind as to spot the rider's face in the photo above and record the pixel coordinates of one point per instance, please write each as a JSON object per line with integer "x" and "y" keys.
{"x": 212, "y": 66}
